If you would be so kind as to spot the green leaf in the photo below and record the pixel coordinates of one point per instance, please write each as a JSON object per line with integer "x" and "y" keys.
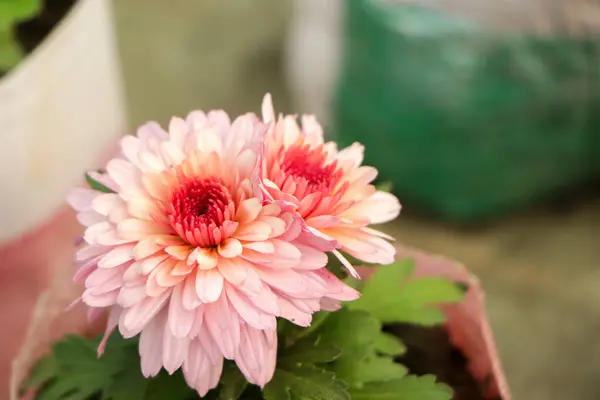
{"x": 74, "y": 371}
{"x": 94, "y": 184}
{"x": 304, "y": 382}
{"x": 389, "y": 345}
{"x": 15, "y": 10}
{"x": 278, "y": 388}
{"x": 407, "y": 388}
{"x": 386, "y": 186}
{"x": 233, "y": 383}
{"x": 11, "y": 12}
{"x": 310, "y": 350}
{"x": 45, "y": 370}
{"x": 128, "y": 384}
{"x": 354, "y": 333}
{"x": 393, "y": 298}
{"x": 172, "y": 387}
{"x": 379, "y": 369}
{"x": 10, "y": 53}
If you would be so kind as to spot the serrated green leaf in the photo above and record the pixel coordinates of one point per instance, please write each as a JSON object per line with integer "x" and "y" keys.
{"x": 318, "y": 319}
{"x": 393, "y": 298}
{"x": 389, "y": 345}
{"x": 354, "y": 332}
{"x": 172, "y": 387}
{"x": 46, "y": 369}
{"x": 310, "y": 350}
{"x": 379, "y": 369}
{"x": 409, "y": 387}
{"x": 305, "y": 382}
{"x": 79, "y": 386}
{"x": 277, "y": 389}
{"x": 94, "y": 184}
{"x": 128, "y": 384}
{"x": 233, "y": 383}
{"x": 74, "y": 371}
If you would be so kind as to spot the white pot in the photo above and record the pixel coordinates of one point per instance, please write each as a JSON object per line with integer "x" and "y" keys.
{"x": 313, "y": 52}
{"x": 61, "y": 109}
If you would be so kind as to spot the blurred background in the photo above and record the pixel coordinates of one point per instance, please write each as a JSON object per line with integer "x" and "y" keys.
{"x": 484, "y": 117}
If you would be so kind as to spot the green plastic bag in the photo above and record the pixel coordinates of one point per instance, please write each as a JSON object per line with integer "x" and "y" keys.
{"x": 467, "y": 122}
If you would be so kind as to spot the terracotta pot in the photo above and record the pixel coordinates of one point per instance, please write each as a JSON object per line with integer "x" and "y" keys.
{"x": 467, "y": 324}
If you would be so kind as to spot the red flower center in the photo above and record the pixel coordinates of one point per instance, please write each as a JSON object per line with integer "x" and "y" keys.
{"x": 199, "y": 207}
{"x": 309, "y": 170}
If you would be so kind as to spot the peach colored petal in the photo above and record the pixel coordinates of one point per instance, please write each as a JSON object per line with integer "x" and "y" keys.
{"x": 230, "y": 248}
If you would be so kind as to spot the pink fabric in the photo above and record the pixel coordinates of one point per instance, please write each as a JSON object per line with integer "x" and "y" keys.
{"x": 30, "y": 265}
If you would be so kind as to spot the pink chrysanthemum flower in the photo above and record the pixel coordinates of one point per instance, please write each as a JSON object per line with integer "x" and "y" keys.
{"x": 188, "y": 253}
{"x": 332, "y": 191}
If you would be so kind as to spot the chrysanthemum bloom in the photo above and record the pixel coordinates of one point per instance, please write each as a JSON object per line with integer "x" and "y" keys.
{"x": 331, "y": 189}
{"x": 188, "y": 253}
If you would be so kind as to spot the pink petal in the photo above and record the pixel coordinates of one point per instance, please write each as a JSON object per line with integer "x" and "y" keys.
{"x": 81, "y": 199}
{"x": 130, "y": 296}
{"x": 104, "y": 203}
{"x": 278, "y": 225}
{"x": 182, "y": 268}
{"x": 209, "y": 285}
{"x": 352, "y": 155}
{"x": 248, "y": 311}
{"x": 223, "y": 325}
{"x": 151, "y": 346}
{"x": 248, "y": 210}
{"x": 180, "y": 319}
{"x": 253, "y": 231}
{"x": 260, "y": 247}
{"x": 149, "y": 264}
{"x": 111, "y": 324}
{"x": 323, "y": 221}
{"x": 346, "y": 264}
{"x": 137, "y": 317}
{"x": 146, "y": 247}
{"x": 230, "y": 248}
{"x": 285, "y": 280}
{"x": 190, "y": 298}
{"x": 199, "y": 373}
{"x": 268, "y": 112}
{"x": 124, "y": 173}
{"x": 117, "y": 256}
{"x": 234, "y": 271}
{"x": 378, "y": 208}
{"x": 175, "y": 350}
{"x": 293, "y": 314}
{"x": 206, "y": 258}
{"x": 181, "y": 252}
{"x": 137, "y": 229}
{"x": 99, "y": 300}
{"x": 256, "y": 355}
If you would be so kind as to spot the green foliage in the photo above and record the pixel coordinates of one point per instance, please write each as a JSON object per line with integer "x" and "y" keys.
{"x": 94, "y": 184}
{"x": 12, "y": 11}
{"x": 385, "y": 186}
{"x": 391, "y": 297}
{"x": 233, "y": 383}
{"x": 408, "y": 388}
{"x": 343, "y": 355}
{"x": 73, "y": 371}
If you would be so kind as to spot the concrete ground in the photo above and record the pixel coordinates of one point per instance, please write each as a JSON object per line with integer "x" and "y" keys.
{"x": 541, "y": 270}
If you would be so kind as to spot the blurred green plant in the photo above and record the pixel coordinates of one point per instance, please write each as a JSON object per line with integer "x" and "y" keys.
{"x": 11, "y": 12}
